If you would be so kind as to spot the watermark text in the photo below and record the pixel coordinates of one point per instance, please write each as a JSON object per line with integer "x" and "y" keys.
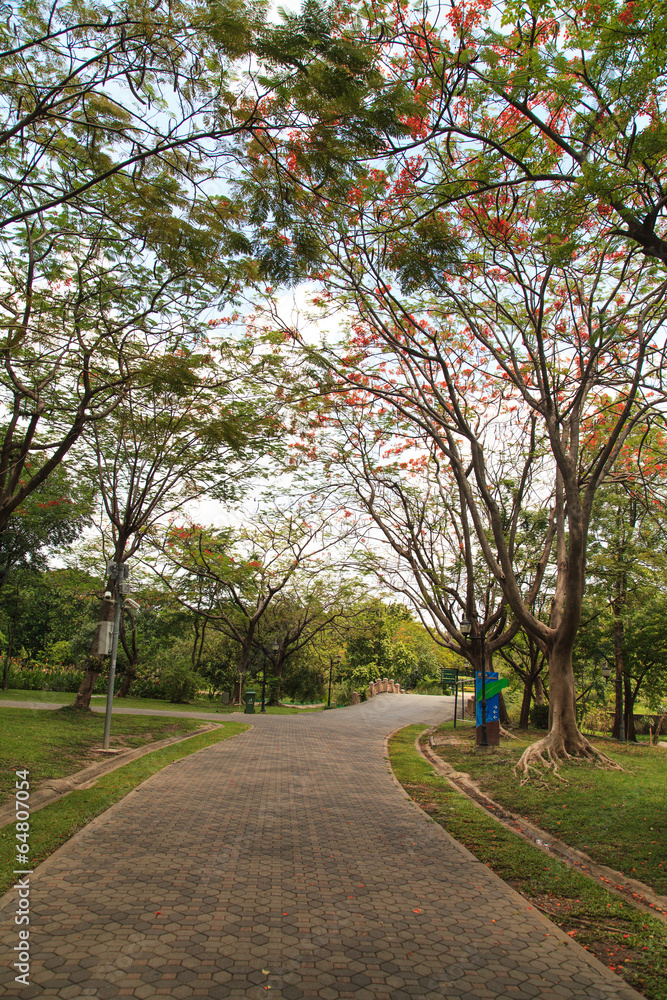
{"x": 22, "y": 885}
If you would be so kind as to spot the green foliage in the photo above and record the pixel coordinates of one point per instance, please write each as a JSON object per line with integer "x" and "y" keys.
{"x": 35, "y": 676}
{"x": 48, "y": 521}
{"x": 539, "y": 716}
{"x": 179, "y": 680}
{"x": 40, "y": 609}
{"x": 387, "y": 642}
{"x": 423, "y": 253}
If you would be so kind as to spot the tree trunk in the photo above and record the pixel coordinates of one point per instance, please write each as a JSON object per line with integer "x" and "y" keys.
{"x": 654, "y": 736}
{"x": 243, "y": 667}
{"x": 540, "y": 694}
{"x": 94, "y": 663}
{"x": 564, "y": 739}
{"x": 562, "y": 713}
{"x": 277, "y": 690}
{"x": 131, "y": 655}
{"x": 618, "y": 730}
{"x": 94, "y": 667}
{"x": 128, "y": 677}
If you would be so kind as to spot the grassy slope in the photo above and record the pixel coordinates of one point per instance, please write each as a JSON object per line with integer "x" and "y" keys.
{"x": 619, "y": 818}
{"x": 155, "y": 704}
{"x": 627, "y": 940}
{"x": 56, "y": 823}
{"x": 58, "y": 743}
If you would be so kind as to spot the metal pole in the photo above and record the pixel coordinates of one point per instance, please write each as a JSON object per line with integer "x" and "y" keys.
{"x": 456, "y": 700}
{"x": 114, "y": 653}
{"x": 263, "y": 708}
{"x": 485, "y": 739}
{"x": 330, "y": 673}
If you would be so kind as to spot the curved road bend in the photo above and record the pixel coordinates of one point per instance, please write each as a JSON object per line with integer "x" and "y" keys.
{"x": 287, "y": 863}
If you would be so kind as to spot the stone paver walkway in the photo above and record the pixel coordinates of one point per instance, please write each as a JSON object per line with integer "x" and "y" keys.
{"x": 287, "y": 863}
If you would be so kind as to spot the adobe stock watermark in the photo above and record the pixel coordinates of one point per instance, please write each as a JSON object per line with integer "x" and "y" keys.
{"x": 22, "y": 885}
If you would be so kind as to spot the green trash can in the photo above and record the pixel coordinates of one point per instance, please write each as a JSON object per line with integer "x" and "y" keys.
{"x": 249, "y": 698}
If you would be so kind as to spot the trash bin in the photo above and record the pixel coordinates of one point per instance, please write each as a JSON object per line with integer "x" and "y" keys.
{"x": 249, "y": 698}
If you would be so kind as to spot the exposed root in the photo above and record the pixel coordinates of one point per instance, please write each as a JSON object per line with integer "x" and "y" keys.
{"x": 550, "y": 751}
{"x": 505, "y": 733}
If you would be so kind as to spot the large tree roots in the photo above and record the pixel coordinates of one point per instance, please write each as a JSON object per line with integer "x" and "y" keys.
{"x": 550, "y": 752}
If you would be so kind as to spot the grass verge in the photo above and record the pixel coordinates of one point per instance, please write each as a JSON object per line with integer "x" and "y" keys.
{"x": 155, "y": 704}
{"x": 619, "y": 818}
{"x": 55, "y": 744}
{"x": 56, "y": 823}
{"x": 628, "y": 941}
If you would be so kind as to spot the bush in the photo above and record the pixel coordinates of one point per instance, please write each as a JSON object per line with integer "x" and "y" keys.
{"x": 428, "y": 685}
{"x": 147, "y": 682}
{"x": 35, "y": 676}
{"x": 180, "y": 681}
{"x": 596, "y": 720}
{"x": 539, "y": 716}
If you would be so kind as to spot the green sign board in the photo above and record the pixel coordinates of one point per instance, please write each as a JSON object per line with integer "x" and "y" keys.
{"x": 493, "y": 688}
{"x": 448, "y": 676}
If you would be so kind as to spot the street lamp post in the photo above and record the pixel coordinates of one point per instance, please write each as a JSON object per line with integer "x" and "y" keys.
{"x": 120, "y": 573}
{"x": 466, "y": 630}
{"x": 332, "y": 659}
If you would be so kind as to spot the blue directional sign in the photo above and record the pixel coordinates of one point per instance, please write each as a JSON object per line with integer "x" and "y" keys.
{"x": 493, "y": 688}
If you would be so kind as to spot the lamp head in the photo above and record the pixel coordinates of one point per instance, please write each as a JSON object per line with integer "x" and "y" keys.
{"x": 465, "y": 627}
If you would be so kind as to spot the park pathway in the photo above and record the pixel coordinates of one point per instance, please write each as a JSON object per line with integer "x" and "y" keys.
{"x": 287, "y": 863}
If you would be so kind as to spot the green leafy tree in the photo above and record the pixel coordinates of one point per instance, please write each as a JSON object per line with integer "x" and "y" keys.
{"x": 541, "y": 101}
{"x": 157, "y": 452}
{"x": 271, "y": 580}
{"x": 48, "y": 522}
{"x": 387, "y": 642}
{"x": 121, "y": 129}
{"x": 627, "y": 577}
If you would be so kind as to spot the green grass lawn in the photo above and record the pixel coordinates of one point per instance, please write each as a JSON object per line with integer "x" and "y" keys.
{"x": 155, "y": 704}
{"x": 628, "y": 941}
{"x": 51, "y": 826}
{"x": 58, "y": 743}
{"x": 619, "y": 818}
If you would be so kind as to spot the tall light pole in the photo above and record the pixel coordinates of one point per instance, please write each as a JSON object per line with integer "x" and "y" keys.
{"x": 334, "y": 658}
{"x": 120, "y": 574}
{"x": 466, "y": 630}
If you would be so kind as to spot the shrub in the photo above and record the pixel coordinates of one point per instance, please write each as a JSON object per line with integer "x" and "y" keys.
{"x": 596, "y": 720}
{"x": 428, "y": 685}
{"x": 34, "y": 676}
{"x": 148, "y": 683}
{"x": 539, "y": 716}
{"x": 180, "y": 681}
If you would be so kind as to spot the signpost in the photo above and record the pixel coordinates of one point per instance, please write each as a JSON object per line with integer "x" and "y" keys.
{"x": 493, "y": 686}
{"x": 448, "y": 677}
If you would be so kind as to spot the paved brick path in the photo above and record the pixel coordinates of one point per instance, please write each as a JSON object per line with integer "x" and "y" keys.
{"x": 287, "y": 860}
